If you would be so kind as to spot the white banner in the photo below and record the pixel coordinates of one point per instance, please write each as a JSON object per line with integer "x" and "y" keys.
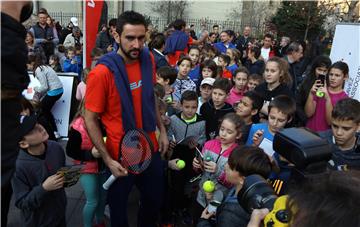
{"x": 61, "y": 109}
{"x": 346, "y": 47}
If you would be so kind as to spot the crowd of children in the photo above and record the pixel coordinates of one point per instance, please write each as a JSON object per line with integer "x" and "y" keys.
{"x": 221, "y": 118}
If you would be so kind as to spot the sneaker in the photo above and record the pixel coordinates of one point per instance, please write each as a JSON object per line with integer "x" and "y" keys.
{"x": 107, "y": 212}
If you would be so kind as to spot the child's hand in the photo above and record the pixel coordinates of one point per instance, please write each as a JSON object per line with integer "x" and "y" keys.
{"x": 192, "y": 144}
{"x": 53, "y": 182}
{"x": 73, "y": 61}
{"x": 324, "y": 90}
{"x": 258, "y": 137}
{"x": 172, "y": 164}
{"x": 210, "y": 166}
{"x": 95, "y": 152}
{"x": 196, "y": 164}
{"x": 172, "y": 144}
{"x": 316, "y": 86}
{"x": 206, "y": 215}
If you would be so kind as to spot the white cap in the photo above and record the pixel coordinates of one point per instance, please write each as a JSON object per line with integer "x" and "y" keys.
{"x": 208, "y": 81}
{"x": 74, "y": 21}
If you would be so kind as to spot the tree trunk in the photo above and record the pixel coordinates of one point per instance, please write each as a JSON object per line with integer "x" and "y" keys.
{"x": 307, "y": 23}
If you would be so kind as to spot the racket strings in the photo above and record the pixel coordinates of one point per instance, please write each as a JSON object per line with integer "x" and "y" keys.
{"x": 136, "y": 152}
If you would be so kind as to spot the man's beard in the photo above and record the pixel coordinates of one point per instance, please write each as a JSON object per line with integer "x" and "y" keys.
{"x": 127, "y": 53}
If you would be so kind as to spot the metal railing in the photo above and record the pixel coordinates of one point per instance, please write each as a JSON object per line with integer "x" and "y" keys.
{"x": 161, "y": 23}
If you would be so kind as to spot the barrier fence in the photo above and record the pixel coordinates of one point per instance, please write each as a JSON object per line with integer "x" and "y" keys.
{"x": 161, "y": 23}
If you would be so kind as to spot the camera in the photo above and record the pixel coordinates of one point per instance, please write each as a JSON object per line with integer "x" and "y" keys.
{"x": 257, "y": 193}
{"x": 308, "y": 154}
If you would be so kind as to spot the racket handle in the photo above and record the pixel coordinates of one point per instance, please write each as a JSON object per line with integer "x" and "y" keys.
{"x": 109, "y": 182}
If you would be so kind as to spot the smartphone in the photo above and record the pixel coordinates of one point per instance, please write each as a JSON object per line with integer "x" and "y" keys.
{"x": 322, "y": 78}
{"x": 199, "y": 155}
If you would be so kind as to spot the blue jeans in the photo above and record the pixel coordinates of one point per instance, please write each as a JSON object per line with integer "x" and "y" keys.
{"x": 150, "y": 184}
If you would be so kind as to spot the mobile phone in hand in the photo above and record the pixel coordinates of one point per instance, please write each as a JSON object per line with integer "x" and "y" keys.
{"x": 322, "y": 78}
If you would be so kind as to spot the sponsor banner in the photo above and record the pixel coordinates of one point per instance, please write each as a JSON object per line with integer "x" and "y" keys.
{"x": 346, "y": 48}
{"x": 61, "y": 109}
{"x": 92, "y": 17}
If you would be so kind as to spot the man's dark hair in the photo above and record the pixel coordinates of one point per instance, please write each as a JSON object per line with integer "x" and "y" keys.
{"x": 222, "y": 84}
{"x": 188, "y": 96}
{"x": 226, "y": 58}
{"x": 284, "y": 104}
{"x": 113, "y": 22}
{"x": 268, "y": 35}
{"x": 157, "y": 41}
{"x": 167, "y": 73}
{"x": 293, "y": 47}
{"x": 129, "y": 17}
{"x": 42, "y": 11}
{"x": 347, "y": 110}
{"x": 256, "y": 99}
{"x": 178, "y": 24}
{"x": 215, "y": 26}
{"x": 249, "y": 160}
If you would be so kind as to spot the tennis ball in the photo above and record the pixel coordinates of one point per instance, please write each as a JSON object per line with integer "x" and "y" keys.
{"x": 209, "y": 186}
{"x": 180, "y": 164}
{"x": 320, "y": 94}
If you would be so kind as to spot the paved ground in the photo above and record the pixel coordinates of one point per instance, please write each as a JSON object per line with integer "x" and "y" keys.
{"x": 76, "y": 201}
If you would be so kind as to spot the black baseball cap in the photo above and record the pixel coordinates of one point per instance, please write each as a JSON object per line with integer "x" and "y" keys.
{"x": 27, "y": 123}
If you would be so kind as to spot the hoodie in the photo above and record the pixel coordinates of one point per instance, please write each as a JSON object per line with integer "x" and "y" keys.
{"x": 212, "y": 117}
{"x": 38, "y": 206}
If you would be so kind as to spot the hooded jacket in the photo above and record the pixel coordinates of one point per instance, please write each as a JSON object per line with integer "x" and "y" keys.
{"x": 212, "y": 117}
{"x": 38, "y": 206}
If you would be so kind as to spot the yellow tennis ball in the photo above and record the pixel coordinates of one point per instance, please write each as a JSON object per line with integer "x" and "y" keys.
{"x": 209, "y": 186}
{"x": 180, "y": 164}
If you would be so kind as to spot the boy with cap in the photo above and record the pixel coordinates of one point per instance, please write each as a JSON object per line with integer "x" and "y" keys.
{"x": 206, "y": 87}
{"x": 38, "y": 187}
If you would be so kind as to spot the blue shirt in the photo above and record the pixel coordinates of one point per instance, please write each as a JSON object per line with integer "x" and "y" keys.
{"x": 194, "y": 74}
{"x": 260, "y": 126}
{"x": 222, "y": 48}
{"x": 232, "y": 68}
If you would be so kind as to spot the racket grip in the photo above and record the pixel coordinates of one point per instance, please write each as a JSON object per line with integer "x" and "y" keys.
{"x": 109, "y": 182}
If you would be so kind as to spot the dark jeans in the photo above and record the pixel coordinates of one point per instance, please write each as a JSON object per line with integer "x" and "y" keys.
{"x": 47, "y": 104}
{"x": 150, "y": 184}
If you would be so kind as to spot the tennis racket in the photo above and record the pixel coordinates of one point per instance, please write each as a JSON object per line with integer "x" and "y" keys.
{"x": 135, "y": 153}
